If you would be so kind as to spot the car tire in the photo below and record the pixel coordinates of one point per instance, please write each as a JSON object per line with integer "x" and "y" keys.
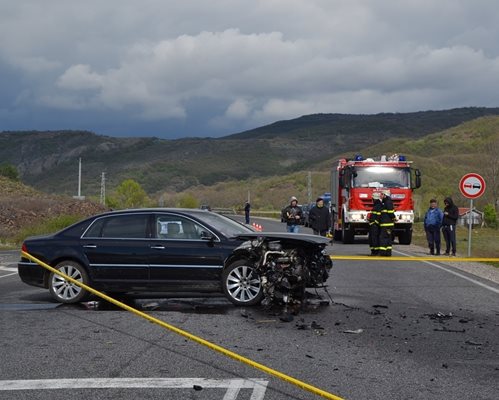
{"x": 64, "y": 291}
{"x": 241, "y": 284}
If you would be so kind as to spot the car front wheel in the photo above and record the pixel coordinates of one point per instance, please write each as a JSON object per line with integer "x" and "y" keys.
{"x": 64, "y": 291}
{"x": 242, "y": 284}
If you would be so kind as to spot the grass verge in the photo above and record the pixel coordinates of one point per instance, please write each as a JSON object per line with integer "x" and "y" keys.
{"x": 484, "y": 241}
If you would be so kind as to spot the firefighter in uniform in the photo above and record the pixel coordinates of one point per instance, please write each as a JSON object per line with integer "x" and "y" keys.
{"x": 374, "y": 228}
{"x": 386, "y": 224}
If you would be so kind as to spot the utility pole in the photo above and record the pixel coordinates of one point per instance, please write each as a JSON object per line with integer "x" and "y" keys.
{"x": 79, "y": 196}
{"x": 309, "y": 186}
{"x": 103, "y": 189}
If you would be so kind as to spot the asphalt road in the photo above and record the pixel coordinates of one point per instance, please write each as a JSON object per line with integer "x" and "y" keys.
{"x": 394, "y": 330}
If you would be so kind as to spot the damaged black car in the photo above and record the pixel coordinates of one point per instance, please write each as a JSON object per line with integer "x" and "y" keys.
{"x": 150, "y": 251}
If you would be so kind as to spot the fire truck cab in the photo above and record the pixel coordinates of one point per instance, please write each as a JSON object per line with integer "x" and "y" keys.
{"x": 353, "y": 183}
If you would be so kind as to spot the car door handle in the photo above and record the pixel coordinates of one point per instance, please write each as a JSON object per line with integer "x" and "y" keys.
{"x": 158, "y": 247}
{"x": 90, "y": 246}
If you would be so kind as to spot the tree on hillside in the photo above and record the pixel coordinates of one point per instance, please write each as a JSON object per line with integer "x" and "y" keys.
{"x": 187, "y": 200}
{"x": 9, "y": 171}
{"x": 129, "y": 194}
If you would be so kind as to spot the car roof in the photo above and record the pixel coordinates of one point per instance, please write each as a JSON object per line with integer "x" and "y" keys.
{"x": 156, "y": 209}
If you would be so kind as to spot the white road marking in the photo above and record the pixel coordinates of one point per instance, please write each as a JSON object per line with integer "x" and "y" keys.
{"x": 233, "y": 386}
{"x": 5, "y": 268}
{"x": 8, "y": 269}
{"x": 5, "y": 276}
{"x": 485, "y": 286}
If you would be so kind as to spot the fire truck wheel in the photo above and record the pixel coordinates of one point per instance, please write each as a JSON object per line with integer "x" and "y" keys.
{"x": 405, "y": 237}
{"x": 348, "y": 234}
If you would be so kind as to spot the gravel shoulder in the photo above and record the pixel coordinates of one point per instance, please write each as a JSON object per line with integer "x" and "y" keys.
{"x": 482, "y": 270}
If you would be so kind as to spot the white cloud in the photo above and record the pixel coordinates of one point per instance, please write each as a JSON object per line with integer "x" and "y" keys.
{"x": 79, "y": 77}
{"x": 238, "y": 109}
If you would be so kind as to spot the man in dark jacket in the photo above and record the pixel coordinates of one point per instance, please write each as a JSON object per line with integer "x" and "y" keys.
{"x": 386, "y": 224}
{"x": 247, "y": 208}
{"x": 373, "y": 219}
{"x": 432, "y": 223}
{"x": 451, "y": 214}
{"x": 320, "y": 218}
{"x": 292, "y": 215}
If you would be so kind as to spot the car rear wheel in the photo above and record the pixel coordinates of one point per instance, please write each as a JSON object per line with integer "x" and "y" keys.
{"x": 241, "y": 284}
{"x": 64, "y": 291}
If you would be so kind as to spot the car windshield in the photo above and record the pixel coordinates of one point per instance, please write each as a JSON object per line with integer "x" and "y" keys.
{"x": 381, "y": 177}
{"x": 224, "y": 225}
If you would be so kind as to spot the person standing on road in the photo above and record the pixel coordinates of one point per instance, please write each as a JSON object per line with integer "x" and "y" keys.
{"x": 247, "y": 208}
{"x": 292, "y": 216}
{"x": 451, "y": 214}
{"x": 432, "y": 224}
{"x": 374, "y": 228}
{"x": 320, "y": 218}
{"x": 386, "y": 224}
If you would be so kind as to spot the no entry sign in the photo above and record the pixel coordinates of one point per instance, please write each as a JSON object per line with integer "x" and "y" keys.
{"x": 472, "y": 186}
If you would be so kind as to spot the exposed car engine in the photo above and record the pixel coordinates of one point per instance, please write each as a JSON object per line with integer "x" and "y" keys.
{"x": 286, "y": 264}
{"x": 286, "y": 272}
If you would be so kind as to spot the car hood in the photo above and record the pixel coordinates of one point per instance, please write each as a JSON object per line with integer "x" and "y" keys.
{"x": 290, "y": 237}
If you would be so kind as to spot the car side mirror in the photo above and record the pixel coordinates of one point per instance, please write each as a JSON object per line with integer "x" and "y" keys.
{"x": 418, "y": 178}
{"x": 207, "y": 236}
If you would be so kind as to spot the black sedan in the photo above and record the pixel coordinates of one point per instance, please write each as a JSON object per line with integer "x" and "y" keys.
{"x": 172, "y": 250}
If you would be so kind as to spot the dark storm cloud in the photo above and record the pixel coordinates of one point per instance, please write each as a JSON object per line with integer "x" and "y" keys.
{"x": 197, "y": 68}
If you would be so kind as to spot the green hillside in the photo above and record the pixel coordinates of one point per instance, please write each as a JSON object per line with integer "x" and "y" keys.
{"x": 442, "y": 157}
{"x": 272, "y": 162}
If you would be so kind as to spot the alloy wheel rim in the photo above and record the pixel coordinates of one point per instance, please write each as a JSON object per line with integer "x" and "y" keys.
{"x": 243, "y": 284}
{"x": 63, "y": 288}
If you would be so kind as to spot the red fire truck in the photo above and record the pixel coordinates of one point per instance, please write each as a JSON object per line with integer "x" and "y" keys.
{"x": 353, "y": 183}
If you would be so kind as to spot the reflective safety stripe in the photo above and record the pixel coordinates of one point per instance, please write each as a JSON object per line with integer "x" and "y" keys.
{"x": 388, "y": 224}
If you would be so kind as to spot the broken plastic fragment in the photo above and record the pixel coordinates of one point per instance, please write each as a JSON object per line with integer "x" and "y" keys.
{"x": 355, "y": 331}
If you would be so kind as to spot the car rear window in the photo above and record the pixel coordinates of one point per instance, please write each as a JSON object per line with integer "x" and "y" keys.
{"x": 119, "y": 226}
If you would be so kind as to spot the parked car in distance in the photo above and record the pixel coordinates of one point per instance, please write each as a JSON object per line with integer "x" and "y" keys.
{"x": 169, "y": 250}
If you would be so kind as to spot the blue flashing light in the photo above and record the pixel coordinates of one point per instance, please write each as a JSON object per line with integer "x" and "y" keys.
{"x": 401, "y": 158}
{"x": 358, "y": 157}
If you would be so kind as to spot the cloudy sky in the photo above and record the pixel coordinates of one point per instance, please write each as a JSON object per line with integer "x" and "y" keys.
{"x": 213, "y": 67}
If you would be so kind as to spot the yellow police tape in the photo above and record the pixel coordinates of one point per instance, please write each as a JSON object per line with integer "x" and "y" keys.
{"x": 190, "y": 336}
{"x": 429, "y": 258}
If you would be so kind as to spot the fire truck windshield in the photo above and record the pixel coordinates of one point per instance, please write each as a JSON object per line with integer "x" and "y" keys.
{"x": 377, "y": 177}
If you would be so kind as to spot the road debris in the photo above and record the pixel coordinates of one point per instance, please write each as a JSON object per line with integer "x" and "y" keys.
{"x": 440, "y": 316}
{"x": 354, "y": 331}
{"x": 444, "y": 329}
{"x": 472, "y": 343}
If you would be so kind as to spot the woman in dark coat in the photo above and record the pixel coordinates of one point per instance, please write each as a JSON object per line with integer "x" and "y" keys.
{"x": 451, "y": 214}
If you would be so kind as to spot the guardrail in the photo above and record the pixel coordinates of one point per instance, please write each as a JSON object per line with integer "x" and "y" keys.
{"x": 219, "y": 210}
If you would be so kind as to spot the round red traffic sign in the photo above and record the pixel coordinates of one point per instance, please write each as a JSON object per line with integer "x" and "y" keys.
{"x": 472, "y": 186}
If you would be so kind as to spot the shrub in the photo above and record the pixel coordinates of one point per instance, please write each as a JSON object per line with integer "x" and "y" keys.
{"x": 9, "y": 171}
{"x": 490, "y": 216}
{"x": 47, "y": 226}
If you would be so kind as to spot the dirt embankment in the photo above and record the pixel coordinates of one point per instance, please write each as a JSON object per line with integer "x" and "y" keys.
{"x": 21, "y": 206}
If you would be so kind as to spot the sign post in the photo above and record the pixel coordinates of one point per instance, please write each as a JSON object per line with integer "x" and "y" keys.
{"x": 472, "y": 186}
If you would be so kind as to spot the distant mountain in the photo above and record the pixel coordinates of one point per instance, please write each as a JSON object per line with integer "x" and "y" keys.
{"x": 48, "y": 161}
{"x": 415, "y": 124}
